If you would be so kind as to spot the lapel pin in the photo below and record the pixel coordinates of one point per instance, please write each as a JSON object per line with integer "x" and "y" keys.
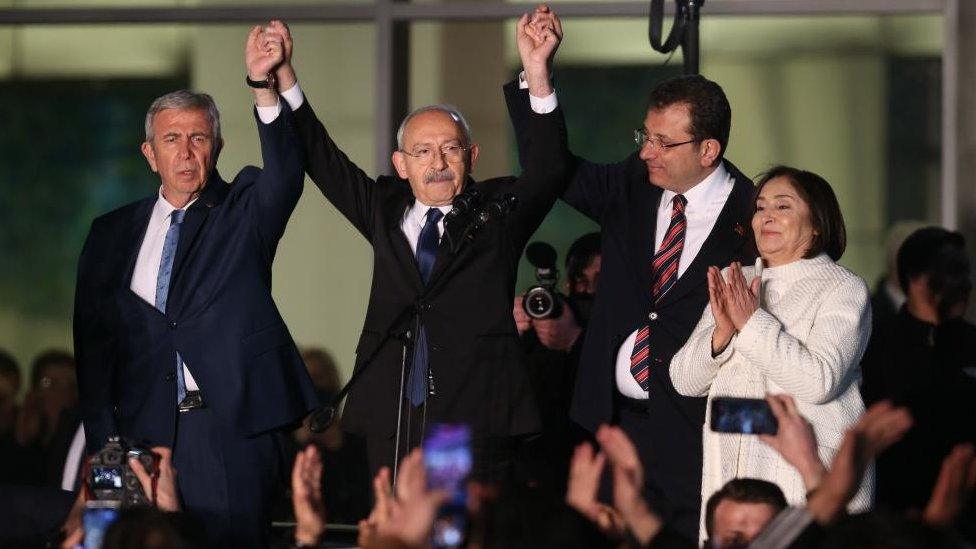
{"x": 209, "y": 204}
{"x": 739, "y": 229}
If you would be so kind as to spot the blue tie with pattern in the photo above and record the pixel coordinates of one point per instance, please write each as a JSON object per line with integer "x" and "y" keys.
{"x": 426, "y": 256}
{"x": 162, "y": 286}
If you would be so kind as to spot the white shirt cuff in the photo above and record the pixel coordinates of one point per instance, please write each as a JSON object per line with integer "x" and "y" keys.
{"x": 294, "y": 96}
{"x": 540, "y": 105}
{"x": 269, "y": 114}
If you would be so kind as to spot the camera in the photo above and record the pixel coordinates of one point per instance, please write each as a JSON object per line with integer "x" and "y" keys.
{"x": 112, "y": 480}
{"x": 542, "y": 300}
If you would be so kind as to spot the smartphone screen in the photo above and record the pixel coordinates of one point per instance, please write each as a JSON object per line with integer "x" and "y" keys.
{"x": 749, "y": 416}
{"x": 448, "y": 460}
{"x": 96, "y": 520}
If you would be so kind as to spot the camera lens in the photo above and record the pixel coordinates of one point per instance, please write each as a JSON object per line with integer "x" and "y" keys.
{"x": 539, "y": 303}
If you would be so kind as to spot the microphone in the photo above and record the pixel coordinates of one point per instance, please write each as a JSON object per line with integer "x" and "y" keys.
{"x": 497, "y": 209}
{"x": 465, "y": 203}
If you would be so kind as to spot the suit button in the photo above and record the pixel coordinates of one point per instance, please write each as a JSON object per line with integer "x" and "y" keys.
{"x": 652, "y": 316}
{"x": 172, "y": 325}
{"x": 170, "y": 376}
{"x": 435, "y": 347}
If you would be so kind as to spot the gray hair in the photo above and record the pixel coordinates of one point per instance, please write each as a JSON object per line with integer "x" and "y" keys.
{"x": 450, "y": 110}
{"x": 184, "y": 99}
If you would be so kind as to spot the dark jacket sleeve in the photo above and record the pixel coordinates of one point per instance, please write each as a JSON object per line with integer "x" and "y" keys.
{"x": 589, "y": 185}
{"x": 543, "y": 177}
{"x": 95, "y": 346}
{"x": 346, "y": 186}
{"x": 281, "y": 181}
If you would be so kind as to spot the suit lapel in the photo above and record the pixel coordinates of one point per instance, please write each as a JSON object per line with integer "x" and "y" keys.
{"x": 729, "y": 233}
{"x": 194, "y": 221}
{"x": 642, "y": 231}
{"x": 393, "y": 214}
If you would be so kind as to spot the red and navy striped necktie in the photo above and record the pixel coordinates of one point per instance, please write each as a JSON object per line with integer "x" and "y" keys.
{"x": 664, "y": 271}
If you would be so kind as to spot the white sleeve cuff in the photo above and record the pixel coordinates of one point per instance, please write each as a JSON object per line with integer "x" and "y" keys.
{"x": 543, "y": 105}
{"x": 269, "y": 114}
{"x": 540, "y": 105}
{"x": 294, "y": 97}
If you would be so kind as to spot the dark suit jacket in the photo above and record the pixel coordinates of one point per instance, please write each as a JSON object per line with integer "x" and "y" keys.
{"x": 220, "y": 316}
{"x": 621, "y": 199}
{"x": 475, "y": 356}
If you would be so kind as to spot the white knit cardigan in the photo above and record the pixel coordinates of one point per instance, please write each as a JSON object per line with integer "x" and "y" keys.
{"x": 806, "y": 340}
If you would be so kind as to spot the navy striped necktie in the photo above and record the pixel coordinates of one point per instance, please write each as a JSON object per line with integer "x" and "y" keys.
{"x": 664, "y": 269}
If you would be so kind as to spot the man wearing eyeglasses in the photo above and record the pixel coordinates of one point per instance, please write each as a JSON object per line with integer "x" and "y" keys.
{"x": 450, "y": 287}
{"x": 667, "y": 212}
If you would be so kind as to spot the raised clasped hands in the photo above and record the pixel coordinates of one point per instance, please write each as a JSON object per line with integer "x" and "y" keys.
{"x": 538, "y": 35}
{"x": 263, "y": 52}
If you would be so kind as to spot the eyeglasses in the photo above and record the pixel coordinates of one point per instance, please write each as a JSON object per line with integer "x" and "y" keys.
{"x": 452, "y": 153}
{"x": 640, "y": 137}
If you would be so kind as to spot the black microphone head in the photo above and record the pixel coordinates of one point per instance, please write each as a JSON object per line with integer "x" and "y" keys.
{"x": 541, "y": 255}
{"x": 465, "y": 202}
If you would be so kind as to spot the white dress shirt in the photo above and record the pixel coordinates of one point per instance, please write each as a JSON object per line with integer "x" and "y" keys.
{"x": 147, "y": 264}
{"x": 414, "y": 219}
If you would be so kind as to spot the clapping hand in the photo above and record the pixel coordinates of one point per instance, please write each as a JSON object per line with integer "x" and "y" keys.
{"x": 306, "y": 496}
{"x": 741, "y": 298}
{"x": 585, "y": 470}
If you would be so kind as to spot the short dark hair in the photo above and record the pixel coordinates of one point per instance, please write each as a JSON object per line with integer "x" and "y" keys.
{"x": 940, "y": 253}
{"x": 711, "y": 114}
{"x": 744, "y": 490}
{"x": 47, "y": 359}
{"x": 579, "y": 255}
{"x": 830, "y": 233}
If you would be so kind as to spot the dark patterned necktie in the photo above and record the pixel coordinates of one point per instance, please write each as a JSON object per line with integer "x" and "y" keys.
{"x": 426, "y": 256}
{"x": 665, "y": 273}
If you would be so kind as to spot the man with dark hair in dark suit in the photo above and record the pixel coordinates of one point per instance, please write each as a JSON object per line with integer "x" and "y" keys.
{"x": 666, "y": 212}
{"x": 177, "y": 338}
{"x": 453, "y": 293}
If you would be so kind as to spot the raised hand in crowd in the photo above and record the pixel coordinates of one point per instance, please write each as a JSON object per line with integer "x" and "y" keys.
{"x": 585, "y": 471}
{"x": 881, "y": 426}
{"x": 306, "y": 497}
{"x": 405, "y": 519}
{"x": 538, "y": 35}
{"x": 628, "y": 484}
{"x": 795, "y": 440}
{"x": 953, "y": 487}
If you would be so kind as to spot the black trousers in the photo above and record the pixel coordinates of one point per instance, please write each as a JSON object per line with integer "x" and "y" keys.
{"x": 226, "y": 480}
{"x": 679, "y": 506}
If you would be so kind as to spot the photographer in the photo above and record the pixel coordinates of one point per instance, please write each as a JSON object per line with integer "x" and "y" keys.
{"x": 923, "y": 359}
{"x": 552, "y": 346}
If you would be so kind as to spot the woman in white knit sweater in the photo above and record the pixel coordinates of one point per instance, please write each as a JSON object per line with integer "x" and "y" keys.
{"x": 799, "y": 328}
